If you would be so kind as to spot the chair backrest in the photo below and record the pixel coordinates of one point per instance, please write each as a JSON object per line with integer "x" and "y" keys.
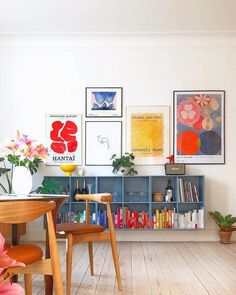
{"x": 104, "y": 198}
{"x": 100, "y": 198}
{"x": 23, "y": 211}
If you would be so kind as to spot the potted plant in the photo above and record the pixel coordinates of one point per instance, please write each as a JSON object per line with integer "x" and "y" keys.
{"x": 225, "y": 223}
{"x": 125, "y": 164}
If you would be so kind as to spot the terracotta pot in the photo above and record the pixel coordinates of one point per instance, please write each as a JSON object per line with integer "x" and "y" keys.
{"x": 225, "y": 237}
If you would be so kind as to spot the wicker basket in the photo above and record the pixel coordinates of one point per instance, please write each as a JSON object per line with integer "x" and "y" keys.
{"x": 158, "y": 197}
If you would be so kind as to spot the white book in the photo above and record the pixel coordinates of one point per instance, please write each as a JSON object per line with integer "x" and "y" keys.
{"x": 201, "y": 218}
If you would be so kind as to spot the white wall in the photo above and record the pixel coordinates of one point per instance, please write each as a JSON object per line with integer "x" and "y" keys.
{"x": 42, "y": 74}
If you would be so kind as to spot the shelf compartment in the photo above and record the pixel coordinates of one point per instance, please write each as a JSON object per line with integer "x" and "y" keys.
{"x": 111, "y": 185}
{"x": 136, "y": 189}
{"x": 159, "y": 184}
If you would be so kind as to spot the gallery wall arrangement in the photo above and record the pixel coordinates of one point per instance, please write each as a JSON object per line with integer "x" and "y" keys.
{"x": 198, "y": 130}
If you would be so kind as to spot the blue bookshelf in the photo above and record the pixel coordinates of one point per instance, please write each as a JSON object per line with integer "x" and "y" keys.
{"x": 135, "y": 194}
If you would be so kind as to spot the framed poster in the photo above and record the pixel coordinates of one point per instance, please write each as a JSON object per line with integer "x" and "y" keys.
{"x": 104, "y": 101}
{"x": 102, "y": 140}
{"x": 199, "y": 127}
{"x": 63, "y": 137}
{"x": 148, "y": 134}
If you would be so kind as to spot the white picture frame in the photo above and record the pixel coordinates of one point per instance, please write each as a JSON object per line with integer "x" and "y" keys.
{"x": 102, "y": 140}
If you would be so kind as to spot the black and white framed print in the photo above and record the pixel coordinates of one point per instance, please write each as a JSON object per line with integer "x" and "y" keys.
{"x": 102, "y": 140}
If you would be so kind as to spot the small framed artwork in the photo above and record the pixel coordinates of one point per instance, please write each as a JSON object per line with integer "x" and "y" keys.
{"x": 63, "y": 137}
{"x": 148, "y": 134}
{"x": 199, "y": 127}
{"x": 102, "y": 140}
{"x": 104, "y": 102}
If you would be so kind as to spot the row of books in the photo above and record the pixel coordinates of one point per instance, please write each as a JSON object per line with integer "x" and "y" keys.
{"x": 168, "y": 218}
{"x": 191, "y": 220}
{"x": 187, "y": 191}
{"x": 74, "y": 217}
{"x": 122, "y": 218}
{"x": 165, "y": 218}
{"x": 128, "y": 219}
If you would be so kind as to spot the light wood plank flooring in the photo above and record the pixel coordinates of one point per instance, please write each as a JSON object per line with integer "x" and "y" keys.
{"x": 151, "y": 268}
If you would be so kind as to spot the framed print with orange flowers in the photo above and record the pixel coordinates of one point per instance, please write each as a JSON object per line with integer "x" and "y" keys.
{"x": 199, "y": 127}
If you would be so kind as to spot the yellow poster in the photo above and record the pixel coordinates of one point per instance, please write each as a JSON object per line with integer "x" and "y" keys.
{"x": 147, "y": 132}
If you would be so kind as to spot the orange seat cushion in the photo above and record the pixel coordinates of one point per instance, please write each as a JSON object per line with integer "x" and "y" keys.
{"x": 78, "y": 228}
{"x": 25, "y": 253}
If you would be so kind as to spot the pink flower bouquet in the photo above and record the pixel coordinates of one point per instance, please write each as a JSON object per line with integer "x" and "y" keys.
{"x": 21, "y": 151}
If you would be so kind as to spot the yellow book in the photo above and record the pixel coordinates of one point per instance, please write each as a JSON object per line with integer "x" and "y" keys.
{"x": 166, "y": 218}
{"x": 160, "y": 220}
{"x": 158, "y": 223}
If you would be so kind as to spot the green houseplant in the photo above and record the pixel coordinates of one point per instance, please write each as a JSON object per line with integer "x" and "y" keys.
{"x": 125, "y": 164}
{"x": 225, "y": 224}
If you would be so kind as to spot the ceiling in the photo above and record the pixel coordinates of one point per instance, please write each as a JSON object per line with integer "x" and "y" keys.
{"x": 70, "y": 16}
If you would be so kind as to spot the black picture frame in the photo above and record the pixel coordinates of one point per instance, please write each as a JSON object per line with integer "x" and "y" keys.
{"x": 199, "y": 127}
{"x": 104, "y": 106}
{"x": 101, "y": 142}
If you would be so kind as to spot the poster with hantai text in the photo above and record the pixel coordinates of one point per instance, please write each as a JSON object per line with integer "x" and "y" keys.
{"x": 63, "y": 137}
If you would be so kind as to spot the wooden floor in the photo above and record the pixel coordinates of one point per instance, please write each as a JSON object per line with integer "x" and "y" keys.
{"x": 153, "y": 268}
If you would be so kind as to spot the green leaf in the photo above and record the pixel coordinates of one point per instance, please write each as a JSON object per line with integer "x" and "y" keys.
{"x": 50, "y": 186}
{"x": 4, "y": 170}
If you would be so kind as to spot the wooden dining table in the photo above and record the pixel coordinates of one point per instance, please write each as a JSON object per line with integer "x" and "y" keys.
{"x": 59, "y": 200}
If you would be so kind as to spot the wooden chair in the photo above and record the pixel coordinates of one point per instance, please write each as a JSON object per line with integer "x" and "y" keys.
{"x": 17, "y": 212}
{"x": 78, "y": 233}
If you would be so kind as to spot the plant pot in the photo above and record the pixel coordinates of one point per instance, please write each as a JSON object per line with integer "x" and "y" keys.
{"x": 225, "y": 237}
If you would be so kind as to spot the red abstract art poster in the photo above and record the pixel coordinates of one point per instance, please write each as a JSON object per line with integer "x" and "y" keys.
{"x": 63, "y": 137}
{"x": 199, "y": 127}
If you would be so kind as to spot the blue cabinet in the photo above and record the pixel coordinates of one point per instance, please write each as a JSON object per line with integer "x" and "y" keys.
{"x": 134, "y": 205}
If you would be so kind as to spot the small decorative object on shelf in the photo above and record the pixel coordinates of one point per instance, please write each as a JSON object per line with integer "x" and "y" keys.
{"x": 77, "y": 190}
{"x": 158, "y": 197}
{"x": 125, "y": 164}
{"x": 169, "y": 192}
{"x": 68, "y": 168}
{"x": 172, "y": 168}
{"x": 225, "y": 223}
{"x": 89, "y": 186}
{"x": 84, "y": 189}
{"x": 81, "y": 172}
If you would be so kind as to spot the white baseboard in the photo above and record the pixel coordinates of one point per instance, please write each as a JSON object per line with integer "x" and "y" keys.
{"x": 160, "y": 236}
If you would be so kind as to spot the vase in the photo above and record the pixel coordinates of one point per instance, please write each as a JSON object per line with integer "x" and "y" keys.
{"x": 21, "y": 180}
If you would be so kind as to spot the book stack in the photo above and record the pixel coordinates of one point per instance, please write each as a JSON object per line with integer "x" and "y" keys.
{"x": 187, "y": 191}
{"x": 191, "y": 220}
{"x": 102, "y": 218}
{"x": 136, "y": 220}
{"x": 164, "y": 219}
{"x": 75, "y": 217}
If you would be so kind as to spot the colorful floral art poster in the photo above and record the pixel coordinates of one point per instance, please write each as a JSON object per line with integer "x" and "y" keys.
{"x": 148, "y": 134}
{"x": 63, "y": 135}
{"x": 199, "y": 127}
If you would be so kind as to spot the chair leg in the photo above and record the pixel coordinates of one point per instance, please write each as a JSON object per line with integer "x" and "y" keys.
{"x": 116, "y": 260}
{"x": 28, "y": 283}
{"x": 90, "y": 248}
{"x": 69, "y": 263}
